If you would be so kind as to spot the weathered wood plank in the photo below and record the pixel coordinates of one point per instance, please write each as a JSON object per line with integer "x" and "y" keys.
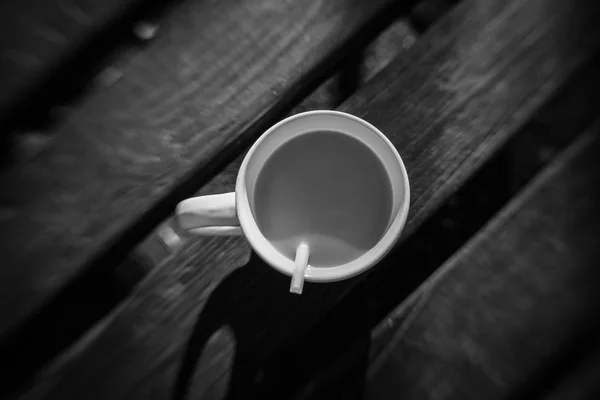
{"x": 217, "y": 74}
{"x": 507, "y": 304}
{"x": 67, "y": 318}
{"x": 552, "y": 128}
{"x": 203, "y": 325}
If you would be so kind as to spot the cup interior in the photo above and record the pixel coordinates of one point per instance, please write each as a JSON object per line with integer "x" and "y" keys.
{"x": 317, "y": 121}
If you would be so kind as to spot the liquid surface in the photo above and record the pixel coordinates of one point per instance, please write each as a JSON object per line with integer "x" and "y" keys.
{"x": 325, "y": 189}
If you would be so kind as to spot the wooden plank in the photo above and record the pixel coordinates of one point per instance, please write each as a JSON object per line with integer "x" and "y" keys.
{"x": 508, "y": 303}
{"x": 217, "y": 74}
{"x": 552, "y": 128}
{"x": 67, "y": 318}
{"x": 378, "y": 54}
{"x": 201, "y": 324}
{"x": 40, "y": 35}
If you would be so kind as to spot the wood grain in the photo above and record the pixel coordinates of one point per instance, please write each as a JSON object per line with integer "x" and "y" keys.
{"x": 216, "y": 75}
{"x": 67, "y": 317}
{"x": 509, "y": 302}
{"x": 199, "y": 324}
{"x": 569, "y": 112}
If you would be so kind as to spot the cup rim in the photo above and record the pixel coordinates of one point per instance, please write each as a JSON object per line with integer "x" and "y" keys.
{"x": 268, "y": 253}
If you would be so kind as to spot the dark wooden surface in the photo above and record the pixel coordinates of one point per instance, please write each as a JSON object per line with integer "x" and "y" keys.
{"x": 510, "y": 303}
{"x": 68, "y": 317}
{"x": 40, "y": 35}
{"x": 550, "y": 130}
{"x": 215, "y": 76}
{"x": 200, "y": 324}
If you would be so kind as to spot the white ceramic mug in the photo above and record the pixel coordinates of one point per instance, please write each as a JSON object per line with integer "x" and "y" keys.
{"x": 231, "y": 213}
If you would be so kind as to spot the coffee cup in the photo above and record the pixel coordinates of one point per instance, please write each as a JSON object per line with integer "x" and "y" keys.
{"x": 325, "y": 178}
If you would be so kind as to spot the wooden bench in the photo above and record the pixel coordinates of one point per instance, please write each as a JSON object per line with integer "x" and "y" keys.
{"x": 210, "y": 320}
{"x": 65, "y": 235}
{"x": 180, "y": 110}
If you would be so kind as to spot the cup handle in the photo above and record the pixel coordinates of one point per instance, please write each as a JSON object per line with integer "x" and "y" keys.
{"x": 212, "y": 215}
